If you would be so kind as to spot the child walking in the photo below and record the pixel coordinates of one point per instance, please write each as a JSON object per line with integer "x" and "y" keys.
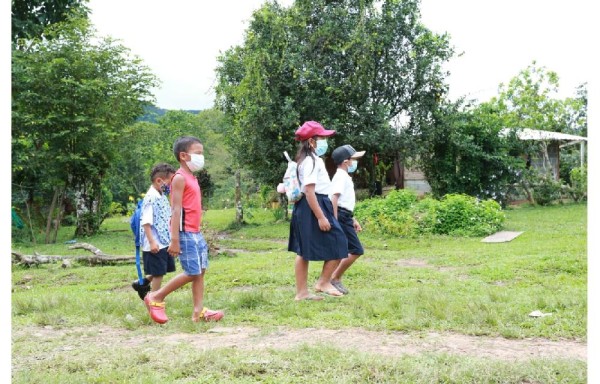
{"x": 315, "y": 234}
{"x": 154, "y": 226}
{"x": 187, "y": 242}
{"x": 343, "y": 200}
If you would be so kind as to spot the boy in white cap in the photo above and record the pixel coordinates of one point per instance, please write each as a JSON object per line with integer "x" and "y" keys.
{"x": 343, "y": 199}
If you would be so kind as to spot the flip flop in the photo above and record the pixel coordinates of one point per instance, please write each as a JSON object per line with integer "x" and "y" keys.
{"x": 339, "y": 286}
{"x": 311, "y": 298}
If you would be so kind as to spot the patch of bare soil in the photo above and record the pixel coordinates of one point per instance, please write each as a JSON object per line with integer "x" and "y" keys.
{"x": 379, "y": 343}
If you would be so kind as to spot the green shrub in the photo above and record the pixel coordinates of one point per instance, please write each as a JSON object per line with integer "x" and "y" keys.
{"x": 546, "y": 189}
{"x": 578, "y": 183}
{"x": 400, "y": 213}
{"x": 116, "y": 209}
{"x": 425, "y": 214}
{"x": 462, "y": 215}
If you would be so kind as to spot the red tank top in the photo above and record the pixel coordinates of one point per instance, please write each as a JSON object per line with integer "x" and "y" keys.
{"x": 191, "y": 204}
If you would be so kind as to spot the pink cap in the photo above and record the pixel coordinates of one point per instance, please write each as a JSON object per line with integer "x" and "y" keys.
{"x": 311, "y": 129}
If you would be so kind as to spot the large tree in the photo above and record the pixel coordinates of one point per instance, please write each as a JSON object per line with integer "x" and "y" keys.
{"x": 464, "y": 152}
{"x": 72, "y": 95}
{"x": 31, "y": 17}
{"x": 353, "y": 65}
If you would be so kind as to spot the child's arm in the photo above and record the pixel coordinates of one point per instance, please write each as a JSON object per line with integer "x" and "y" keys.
{"x": 151, "y": 240}
{"x": 334, "y": 201}
{"x": 177, "y": 185}
{"x": 311, "y": 198}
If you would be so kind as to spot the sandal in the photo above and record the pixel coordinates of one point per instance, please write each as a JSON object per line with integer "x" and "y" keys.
{"x": 141, "y": 289}
{"x": 339, "y": 286}
{"x": 156, "y": 310}
{"x": 209, "y": 315}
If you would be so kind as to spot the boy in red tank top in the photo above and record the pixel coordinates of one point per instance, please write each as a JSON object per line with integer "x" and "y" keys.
{"x": 187, "y": 242}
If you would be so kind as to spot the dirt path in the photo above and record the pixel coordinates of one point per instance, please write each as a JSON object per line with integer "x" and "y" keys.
{"x": 379, "y": 343}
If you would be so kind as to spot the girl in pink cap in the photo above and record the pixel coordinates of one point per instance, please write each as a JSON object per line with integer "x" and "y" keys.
{"x": 315, "y": 234}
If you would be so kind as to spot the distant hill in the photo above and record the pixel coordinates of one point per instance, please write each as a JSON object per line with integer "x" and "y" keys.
{"x": 152, "y": 113}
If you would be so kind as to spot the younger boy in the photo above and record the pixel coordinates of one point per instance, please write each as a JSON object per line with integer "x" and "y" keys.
{"x": 154, "y": 226}
{"x": 187, "y": 242}
{"x": 343, "y": 200}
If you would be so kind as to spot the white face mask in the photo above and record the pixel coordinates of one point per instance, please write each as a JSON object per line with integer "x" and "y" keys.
{"x": 196, "y": 163}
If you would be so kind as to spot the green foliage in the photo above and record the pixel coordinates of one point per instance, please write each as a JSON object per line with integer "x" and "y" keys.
{"x": 73, "y": 94}
{"x": 545, "y": 188}
{"x": 116, "y": 209}
{"x": 352, "y": 65}
{"x": 31, "y": 17}
{"x": 464, "y": 153}
{"x": 541, "y": 187}
{"x": 578, "y": 186}
{"x": 145, "y": 144}
{"x": 400, "y": 213}
{"x": 462, "y": 215}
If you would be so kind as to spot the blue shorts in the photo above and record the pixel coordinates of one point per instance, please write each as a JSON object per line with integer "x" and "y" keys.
{"x": 194, "y": 253}
{"x": 158, "y": 264}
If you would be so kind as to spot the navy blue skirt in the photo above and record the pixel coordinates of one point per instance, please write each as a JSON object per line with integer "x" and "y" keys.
{"x": 307, "y": 239}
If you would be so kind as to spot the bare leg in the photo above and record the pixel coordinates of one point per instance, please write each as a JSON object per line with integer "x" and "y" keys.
{"x": 173, "y": 284}
{"x": 343, "y": 266}
{"x": 198, "y": 295}
{"x": 155, "y": 282}
{"x": 324, "y": 282}
{"x": 301, "y": 269}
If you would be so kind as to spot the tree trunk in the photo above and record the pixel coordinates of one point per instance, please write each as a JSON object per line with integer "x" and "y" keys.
{"x": 51, "y": 215}
{"x": 30, "y": 222}
{"x": 239, "y": 210}
{"x": 59, "y": 214}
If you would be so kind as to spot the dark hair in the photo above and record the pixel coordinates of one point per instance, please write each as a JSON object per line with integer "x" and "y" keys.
{"x": 161, "y": 170}
{"x": 305, "y": 150}
{"x": 183, "y": 144}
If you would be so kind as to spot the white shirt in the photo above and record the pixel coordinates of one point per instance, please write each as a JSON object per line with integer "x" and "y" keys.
{"x": 342, "y": 183}
{"x": 317, "y": 175}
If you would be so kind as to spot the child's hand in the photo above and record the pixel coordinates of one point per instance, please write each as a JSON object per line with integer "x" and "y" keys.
{"x": 154, "y": 246}
{"x": 174, "y": 249}
{"x": 324, "y": 224}
{"x": 357, "y": 226}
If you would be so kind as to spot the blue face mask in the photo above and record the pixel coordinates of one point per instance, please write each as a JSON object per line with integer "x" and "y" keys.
{"x": 166, "y": 188}
{"x": 321, "y": 147}
{"x": 353, "y": 166}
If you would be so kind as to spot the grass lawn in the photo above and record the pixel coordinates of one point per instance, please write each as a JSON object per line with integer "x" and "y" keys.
{"x": 88, "y": 325}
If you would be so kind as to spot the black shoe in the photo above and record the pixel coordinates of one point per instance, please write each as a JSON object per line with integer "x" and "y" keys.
{"x": 142, "y": 289}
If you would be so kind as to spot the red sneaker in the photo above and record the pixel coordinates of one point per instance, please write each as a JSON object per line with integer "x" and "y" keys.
{"x": 156, "y": 310}
{"x": 210, "y": 315}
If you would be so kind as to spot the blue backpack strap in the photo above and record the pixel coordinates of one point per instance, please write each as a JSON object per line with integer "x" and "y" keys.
{"x": 134, "y": 223}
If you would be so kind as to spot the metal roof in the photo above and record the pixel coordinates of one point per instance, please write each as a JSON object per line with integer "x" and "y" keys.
{"x": 534, "y": 134}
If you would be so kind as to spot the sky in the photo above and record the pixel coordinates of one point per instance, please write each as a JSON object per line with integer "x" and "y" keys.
{"x": 180, "y": 41}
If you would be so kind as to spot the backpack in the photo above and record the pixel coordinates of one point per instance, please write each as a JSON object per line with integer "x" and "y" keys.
{"x": 291, "y": 184}
{"x": 134, "y": 223}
